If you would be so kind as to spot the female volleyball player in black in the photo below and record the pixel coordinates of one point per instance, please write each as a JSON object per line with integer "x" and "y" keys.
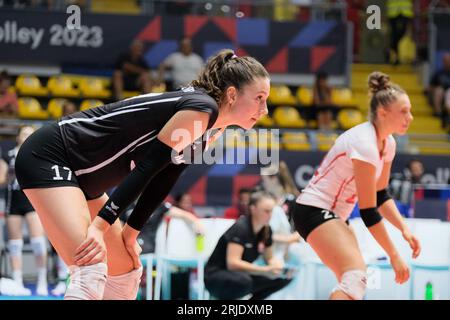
{"x": 66, "y": 167}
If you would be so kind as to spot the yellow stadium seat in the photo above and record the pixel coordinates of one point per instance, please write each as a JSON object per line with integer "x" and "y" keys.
{"x": 27, "y": 84}
{"x": 281, "y": 95}
{"x": 93, "y": 88}
{"x": 342, "y": 97}
{"x": 288, "y": 117}
{"x": 263, "y": 139}
{"x": 62, "y": 86}
{"x": 296, "y": 141}
{"x": 305, "y": 96}
{"x": 159, "y": 89}
{"x": 234, "y": 139}
{"x": 30, "y": 108}
{"x": 325, "y": 140}
{"x": 130, "y": 94}
{"x": 90, "y": 103}
{"x": 349, "y": 118}
{"x": 55, "y": 107}
{"x": 265, "y": 121}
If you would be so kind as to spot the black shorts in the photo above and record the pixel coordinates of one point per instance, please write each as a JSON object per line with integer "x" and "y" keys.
{"x": 307, "y": 218}
{"x": 17, "y": 203}
{"x": 42, "y": 161}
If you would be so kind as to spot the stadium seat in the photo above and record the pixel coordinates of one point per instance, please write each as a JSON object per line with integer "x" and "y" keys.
{"x": 305, "y": 96}
{"x": 288, "y": 117}
{"x": 62, "y": 86}
{"x": 28, "y": 84}
{"x": 263, "y": 139}
{"x": 55, "y": 107}
{"x": 296, "y": 141}
{"x": 235, "y": 138}
{"x": 265, "y": 121}
{"x": 90, "y": 103}
{"x": 349, "y": 118}
{"x": 93, "y": 88}
{"x": 325, "y": 140}
{"x": 342, "y": 97}
{"x": 130, "y": 94}
{"x": 159, "y": 89}
{"x": 30, "y": 108}
{"x": 281, "y": 95}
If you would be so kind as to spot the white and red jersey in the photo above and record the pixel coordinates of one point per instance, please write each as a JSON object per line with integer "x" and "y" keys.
{"x": 333, "y": 185}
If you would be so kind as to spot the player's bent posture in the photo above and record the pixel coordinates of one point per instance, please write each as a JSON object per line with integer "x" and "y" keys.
{"x": 357, "y": 168}
{"x": 66, "y": 167}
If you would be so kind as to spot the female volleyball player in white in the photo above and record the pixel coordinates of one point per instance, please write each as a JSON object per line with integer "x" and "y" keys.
{"x": 357, "y": 168}
{"x": 66, "y": 167}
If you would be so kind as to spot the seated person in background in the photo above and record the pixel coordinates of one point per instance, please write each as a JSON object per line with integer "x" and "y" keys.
{"x": 68, "y": 108}
{"x": 440, "y": 90}
{"x": 230, "y": 273}
{"x": 241, "y": 208}
{"x": 185, "y": 65}
{"x": 131, "y": 72}
{"x": 322, "y": 102}
{"x": 8, "y": 100}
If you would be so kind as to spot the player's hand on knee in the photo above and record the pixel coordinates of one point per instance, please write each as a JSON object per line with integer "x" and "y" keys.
{"x": 129, "y": 237}
{"x": 134, "y": 250}
{"x": 93, "y": 249}
{"x": 401, "y": 269}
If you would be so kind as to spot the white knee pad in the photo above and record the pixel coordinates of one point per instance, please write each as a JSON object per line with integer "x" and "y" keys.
{"x": 353, "y": 283}
{"x": 15, "y": 247}
{"x": 39, "y": 246}
{"x": 86, "y": 282}
{"x": 124, "y": 286}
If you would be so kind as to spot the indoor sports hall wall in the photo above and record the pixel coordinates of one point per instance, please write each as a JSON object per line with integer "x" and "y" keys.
{"x": 283, "y": 47}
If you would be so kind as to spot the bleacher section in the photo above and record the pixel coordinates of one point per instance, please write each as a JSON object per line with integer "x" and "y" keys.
{"x": 42, "y": 98}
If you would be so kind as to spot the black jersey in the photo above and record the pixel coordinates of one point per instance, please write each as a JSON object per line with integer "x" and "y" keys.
{"x": 241, "y": 233}
{"x": 103, "y": 144}
{"x": 10, "y": 158}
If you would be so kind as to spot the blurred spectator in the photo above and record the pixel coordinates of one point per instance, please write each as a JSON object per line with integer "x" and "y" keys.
{"x": 440, "y": 90}
{"x": 185, "y": 65}
{"x": 184, "y": 202}
{"x": 230, "y": 272}
{"x": 18, "y": 208}
{"x": 131, "y": 72}
{"x": 241, "y": 208}
{"x": 8, "y": 99}
{"x": 401, "y": 185}
{"x": 322, "y": 102}
{"x": 400, "y": 14}
{"x": 68, "y": 108}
